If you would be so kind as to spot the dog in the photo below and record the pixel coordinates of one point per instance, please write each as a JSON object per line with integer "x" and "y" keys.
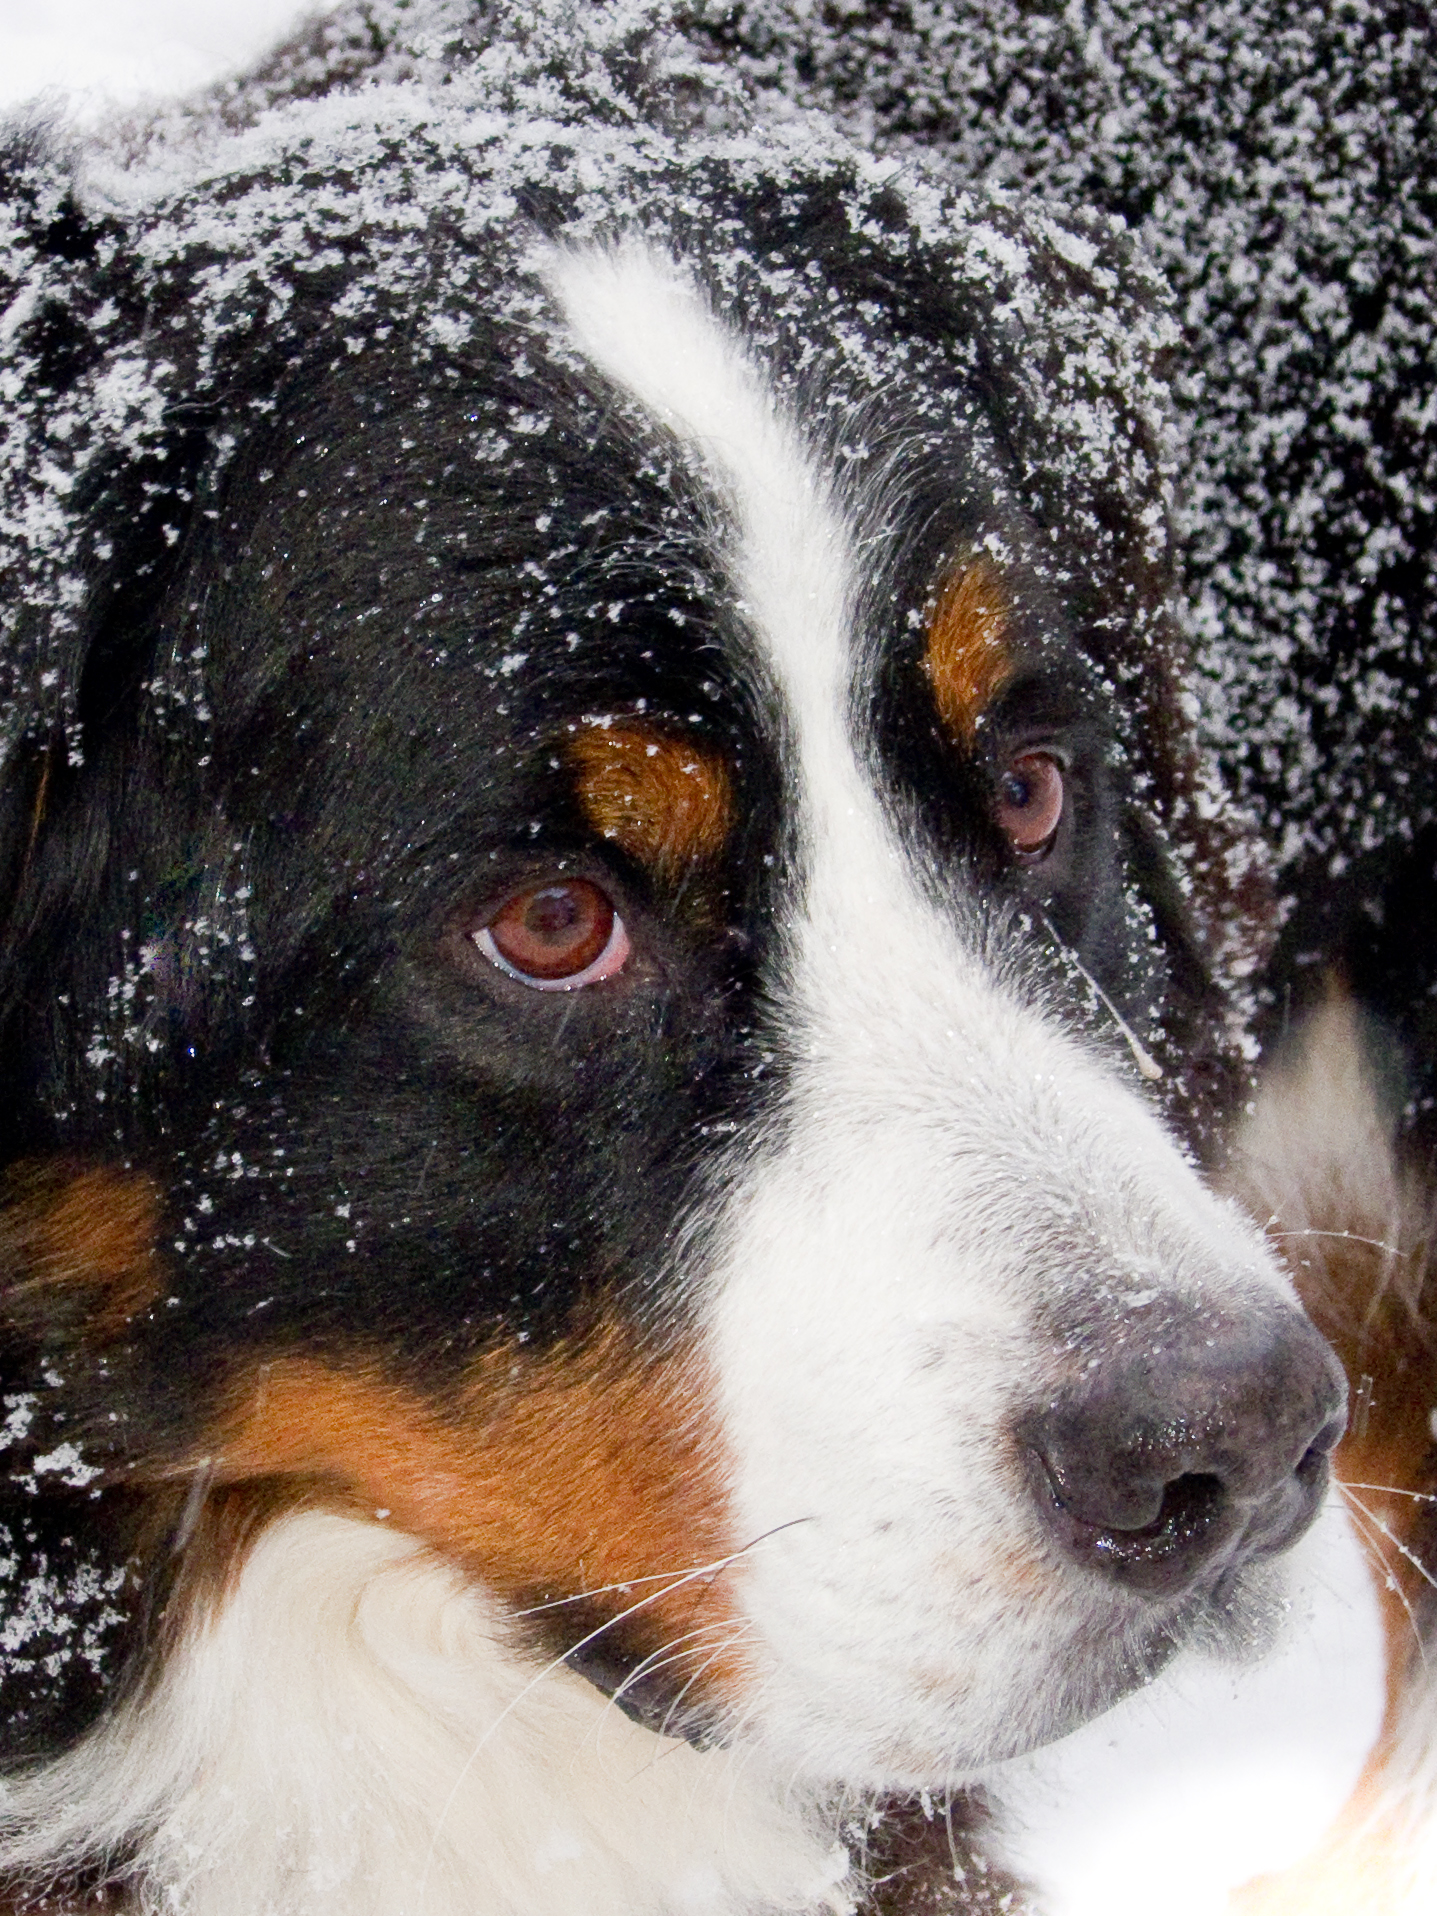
{"x": 620, "y": 970}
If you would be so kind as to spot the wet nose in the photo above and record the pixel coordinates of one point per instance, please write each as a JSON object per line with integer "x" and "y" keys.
{"x": 1199, "y": 1445}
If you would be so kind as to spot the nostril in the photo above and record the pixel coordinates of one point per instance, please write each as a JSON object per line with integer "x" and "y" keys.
{"x": 1192, "y": 1518}
{"x": 1324, "y": 1443}
{"x": 1189, "y": 1458}
{"x": 1191, "y": 1511}
{"x": 1192, "y": 1499}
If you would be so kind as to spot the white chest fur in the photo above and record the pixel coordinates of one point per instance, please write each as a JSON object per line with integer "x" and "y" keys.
{"x": 351, "y": 1735}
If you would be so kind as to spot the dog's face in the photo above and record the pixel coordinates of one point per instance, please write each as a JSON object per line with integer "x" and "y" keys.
{"x": 613, "y": 980}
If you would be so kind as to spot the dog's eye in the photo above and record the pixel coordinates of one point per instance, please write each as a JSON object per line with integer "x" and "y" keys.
{"x": 1030, "y": 804}
{"x": 556, "y": 937}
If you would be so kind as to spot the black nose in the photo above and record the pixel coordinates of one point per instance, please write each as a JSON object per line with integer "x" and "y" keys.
{"x": 1199, "y": 1444}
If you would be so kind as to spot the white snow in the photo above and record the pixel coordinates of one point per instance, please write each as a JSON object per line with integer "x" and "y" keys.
{"x": 102, "y": 53}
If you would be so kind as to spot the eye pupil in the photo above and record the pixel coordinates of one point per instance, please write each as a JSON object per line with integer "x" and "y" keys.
{"x": 554, "y": 916}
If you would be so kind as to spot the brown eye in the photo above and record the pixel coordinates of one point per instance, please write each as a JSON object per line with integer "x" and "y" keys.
{"x": 1030, "y": 804}
{"x": 556, "y": 937}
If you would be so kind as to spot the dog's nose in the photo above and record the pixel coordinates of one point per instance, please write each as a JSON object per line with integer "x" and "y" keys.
{"x": 1206, "y": 1445}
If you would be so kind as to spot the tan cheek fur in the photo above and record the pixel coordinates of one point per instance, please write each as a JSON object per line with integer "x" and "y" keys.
{"x": 663, "y": 801}
{"x": 1355, "y": 1229}
{"x": 588, "y": 1472}
{"x": 78, "y": 1243}
{"x": 966, "y": 657}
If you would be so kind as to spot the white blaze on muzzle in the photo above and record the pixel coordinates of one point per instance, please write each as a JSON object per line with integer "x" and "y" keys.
{"x": 957, "y": 1193}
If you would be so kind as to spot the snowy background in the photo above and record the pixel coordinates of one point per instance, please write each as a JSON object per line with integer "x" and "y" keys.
{"x": 100, "y": 53}
{"x": 1226, "y": 1772}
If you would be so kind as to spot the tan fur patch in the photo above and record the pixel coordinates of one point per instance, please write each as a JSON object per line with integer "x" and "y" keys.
{"x": 967, "y": 658}
{"x": 1354, "y": 1227}
{"x": 1357, "y": 1872}
{"x": 1386, "y": 1457}
{"x": 663, "y": 801}
{"x": 80, "y": 1239}
{"x": 589, "y": 1472}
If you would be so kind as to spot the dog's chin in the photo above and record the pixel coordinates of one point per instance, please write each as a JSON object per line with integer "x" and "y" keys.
{"x": 1238, "y": 1620}
{"x": 1241, "y": 1618}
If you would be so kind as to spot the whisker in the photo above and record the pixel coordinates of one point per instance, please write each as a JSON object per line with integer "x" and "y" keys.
{"x": 673, "y": 1652}
{"x": 1371, "y": 1523}
{"x": 709, "y": 1661}
{"x": 713, "y": 1569}
{"x": 659, "y": 1659}
{"x": 1344, "y": 1237}
{"x": 1389, "y": 1490}
{"x": 1148, "y": 1066}
{"x": 959, "y": 1873}
{"x": 599, "y": 1590}
{"x": 1380, "y": 1567}
{"x": 625, "y": 1584}
{"x": 556, "y": 1663}
{"x": 1396, "y": 1542}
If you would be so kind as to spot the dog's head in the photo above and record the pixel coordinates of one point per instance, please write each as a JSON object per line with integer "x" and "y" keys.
{"x": 609, "y": 949}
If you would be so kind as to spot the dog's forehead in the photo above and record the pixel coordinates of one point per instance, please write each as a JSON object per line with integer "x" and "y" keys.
{"x": 631, "y": 502}
{"x": 625, "y": 585}
{"x": 640, "y": 319}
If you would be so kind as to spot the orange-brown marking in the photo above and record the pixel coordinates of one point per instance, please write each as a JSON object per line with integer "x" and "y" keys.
{"x": 544, "y": 1479}
{"x": 967, "y": 659}
{"x": 663, "y": 801}
{"x": 1387, "y": 1351}
{"x": 1366, "y": 1310}
{"x": 74, "y": 1238}
{"x": 1368, "y": 1294}
{"x": 1357, "y": 1870}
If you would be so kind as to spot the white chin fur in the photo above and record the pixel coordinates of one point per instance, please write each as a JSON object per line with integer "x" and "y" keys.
{"x": 351, "y": 1732}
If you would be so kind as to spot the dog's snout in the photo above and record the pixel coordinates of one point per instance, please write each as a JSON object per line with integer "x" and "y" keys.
{"x": 1204, "y": 1446}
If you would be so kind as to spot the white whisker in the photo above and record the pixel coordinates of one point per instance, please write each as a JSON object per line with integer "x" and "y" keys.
{"x": 1341, "y": 1237}
{"x": 1369, "y": 1524}
{"x": 713, "y": 1569}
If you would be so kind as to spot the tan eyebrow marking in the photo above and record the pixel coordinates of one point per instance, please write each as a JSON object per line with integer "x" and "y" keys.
{"x": 966, "y": 658}
{"x": 662, "y": 800}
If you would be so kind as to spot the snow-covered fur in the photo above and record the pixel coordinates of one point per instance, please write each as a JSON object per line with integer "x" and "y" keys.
{"x": 620, "y": 959}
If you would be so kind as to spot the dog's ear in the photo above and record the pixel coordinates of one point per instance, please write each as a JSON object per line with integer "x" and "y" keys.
{"x": 97, "y": 485}
{"x": 69, "y": 1252}
{"x": 68, "y": 305}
